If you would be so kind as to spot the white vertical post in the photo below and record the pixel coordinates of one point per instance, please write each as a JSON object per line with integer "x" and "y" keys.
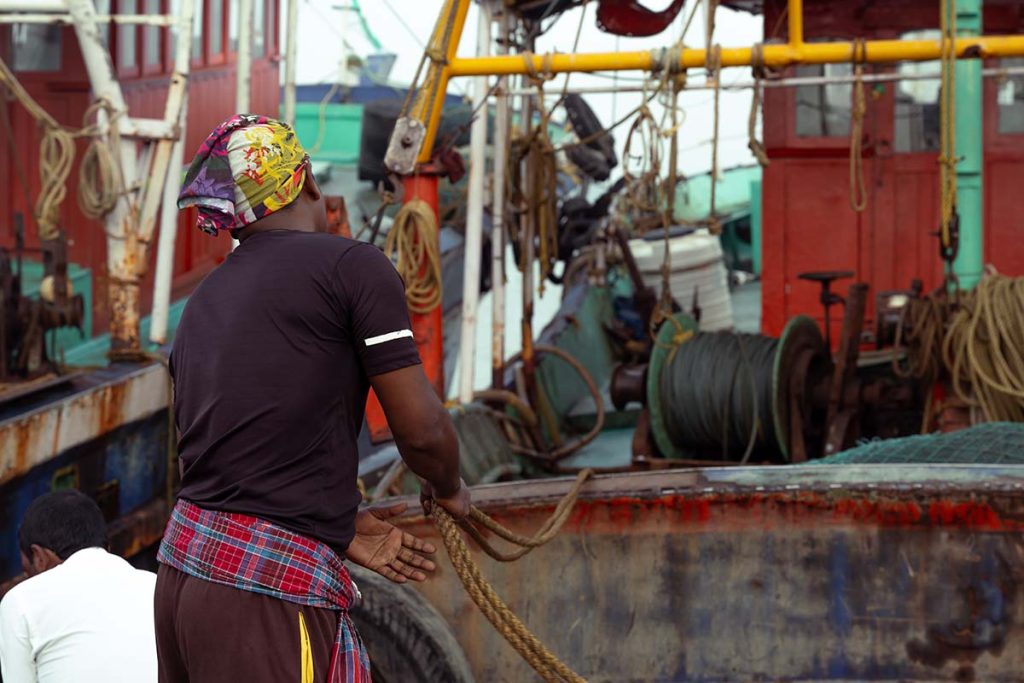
{"x": 290, "y": 52}
{"x": 168, "y": 234}
{"x": 474, "y": 215}
{"x": 243, "y": 80}
{"x": 501, "y": 131}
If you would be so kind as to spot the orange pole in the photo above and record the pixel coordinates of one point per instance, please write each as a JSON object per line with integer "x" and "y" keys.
{"x": 427, "y": 328}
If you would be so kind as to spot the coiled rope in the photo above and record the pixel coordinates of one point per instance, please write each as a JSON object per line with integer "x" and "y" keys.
{"x": 504, "y": 620}
{"x": 100, "y": 179}
{"x": 717, "y": 388}
{"x": 413, "y": 237}
{"x": 983, "y": 349}
{"x": 100, "y": 182}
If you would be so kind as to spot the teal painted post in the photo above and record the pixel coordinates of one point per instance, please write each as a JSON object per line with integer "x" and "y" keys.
{"x": 755, "y": 224}
{"x": 970, "y": 150}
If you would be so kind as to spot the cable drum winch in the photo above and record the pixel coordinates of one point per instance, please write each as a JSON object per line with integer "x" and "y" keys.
{"x": 728, "y": 395}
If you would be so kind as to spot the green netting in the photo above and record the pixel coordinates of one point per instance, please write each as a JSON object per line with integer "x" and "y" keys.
{"x": 995, "y": 443}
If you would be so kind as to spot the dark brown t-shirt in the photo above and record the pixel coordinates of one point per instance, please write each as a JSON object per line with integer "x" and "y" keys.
{"x": 271, "y": 363}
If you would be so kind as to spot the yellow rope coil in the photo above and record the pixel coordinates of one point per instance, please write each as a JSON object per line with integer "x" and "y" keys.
{"x": 413, "y": 237}
{"x": 982, "y": 348}
{"x": 504, "y": 620}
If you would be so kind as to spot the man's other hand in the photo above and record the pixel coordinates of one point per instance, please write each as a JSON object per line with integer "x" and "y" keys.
{"x": 456, "y": 504}
{"x": 384, "y": 548}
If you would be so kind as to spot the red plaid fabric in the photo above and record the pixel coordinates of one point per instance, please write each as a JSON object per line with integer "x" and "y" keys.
{"x": 251, "y": 554}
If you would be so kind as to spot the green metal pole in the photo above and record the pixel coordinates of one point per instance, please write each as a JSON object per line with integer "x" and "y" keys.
{"x": 970, "y": 150}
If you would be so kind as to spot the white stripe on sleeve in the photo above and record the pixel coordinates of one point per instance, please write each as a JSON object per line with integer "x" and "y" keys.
{"x": 390, "y": 336}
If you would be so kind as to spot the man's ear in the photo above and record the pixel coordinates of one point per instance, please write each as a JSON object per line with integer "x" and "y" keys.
{"x": 311, "y": 186}
{"x": 42, "y": 559}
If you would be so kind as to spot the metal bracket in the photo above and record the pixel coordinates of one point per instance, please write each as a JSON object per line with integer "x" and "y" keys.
{"x": 404, "y": 145}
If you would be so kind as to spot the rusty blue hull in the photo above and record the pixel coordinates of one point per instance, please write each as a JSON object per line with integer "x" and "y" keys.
{"x": 846, "y": 573}
{"x": 105, "y": 433}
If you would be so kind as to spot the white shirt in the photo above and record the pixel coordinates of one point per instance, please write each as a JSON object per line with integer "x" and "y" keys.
{"x": 89, "y": 619}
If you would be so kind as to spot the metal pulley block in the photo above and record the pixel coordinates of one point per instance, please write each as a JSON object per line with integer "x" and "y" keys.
{"x": 405, "y": 145}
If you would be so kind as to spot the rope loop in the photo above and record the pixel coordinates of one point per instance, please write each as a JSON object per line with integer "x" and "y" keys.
{"x": 504, "y": 620}
{"x": 413, "y": 237}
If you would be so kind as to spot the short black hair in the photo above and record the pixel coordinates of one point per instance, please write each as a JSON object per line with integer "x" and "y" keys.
{"x": 63, "y": 521}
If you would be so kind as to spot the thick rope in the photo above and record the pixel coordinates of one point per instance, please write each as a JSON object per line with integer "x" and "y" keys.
{"x": 100, "y": 182}
{"x": 715, "y": 73}
{"x": 858, "y": 194}
{"x": 548, "y": 530}
{"x": 100, "y": 179}
{"x": 758, "y": 69}
{"x": 982, "y": 349}
{"x": 413, "y": 237}
{"x": 947, "y": 127}
{"x": 504, "y": 620}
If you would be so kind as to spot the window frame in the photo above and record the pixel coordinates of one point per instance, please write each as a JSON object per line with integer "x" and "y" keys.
{"x": 119, "y": 30}
{"x": 162, "y": 42}
{"x": 220, "y": 57}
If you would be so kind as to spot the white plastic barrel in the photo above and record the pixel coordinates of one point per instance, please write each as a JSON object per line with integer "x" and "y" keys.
{"x": 697, "y": 265}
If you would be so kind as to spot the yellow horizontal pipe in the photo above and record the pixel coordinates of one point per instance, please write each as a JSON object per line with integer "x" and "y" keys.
{"x": 774, "y": 55}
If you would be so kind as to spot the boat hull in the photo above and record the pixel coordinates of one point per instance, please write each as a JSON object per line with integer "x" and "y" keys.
{"x": 812, "y": 573}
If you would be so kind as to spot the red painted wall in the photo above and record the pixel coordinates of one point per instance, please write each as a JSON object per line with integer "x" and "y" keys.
{"x": 807, "y": 220}
{"x": 65, "y": 94}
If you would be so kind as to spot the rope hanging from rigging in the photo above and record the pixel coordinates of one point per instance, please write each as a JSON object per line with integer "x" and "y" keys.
{"x": 758, "y": 70}
{"x": 947, "y": 129}
{"x": 100, "y": 181}
{"x": 858, "y": 193}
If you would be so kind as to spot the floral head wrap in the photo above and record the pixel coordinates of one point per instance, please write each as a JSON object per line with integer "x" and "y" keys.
{"x": 249, "y": 167}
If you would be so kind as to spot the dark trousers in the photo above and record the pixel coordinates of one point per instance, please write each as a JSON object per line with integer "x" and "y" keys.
{"x": 208, "y": 633}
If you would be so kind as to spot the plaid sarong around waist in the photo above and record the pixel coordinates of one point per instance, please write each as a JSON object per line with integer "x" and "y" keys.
{"x": 253, "y": 555}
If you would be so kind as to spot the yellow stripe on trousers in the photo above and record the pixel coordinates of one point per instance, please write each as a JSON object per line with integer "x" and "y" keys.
{"x": 305, "y": 653}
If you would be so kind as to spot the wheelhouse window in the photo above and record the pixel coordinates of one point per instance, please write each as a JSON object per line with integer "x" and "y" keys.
{"x": 35, "y": 47}
{"x": 1010, "y": 98}
{"x": 216, "y": 27}
{"x": 197, "y": 31}
{"x": 823, "y": 110}
{"x": 916, "y": 114}
{"x": 153, "y": 34}
{"x": 233, "y": 24}
{"x": 271, "y": 37}
{"x": 259, "y": 23}
{"x": 127, "y": 38}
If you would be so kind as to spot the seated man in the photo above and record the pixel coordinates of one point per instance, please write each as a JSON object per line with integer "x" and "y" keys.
{"x": 83, "y": 614}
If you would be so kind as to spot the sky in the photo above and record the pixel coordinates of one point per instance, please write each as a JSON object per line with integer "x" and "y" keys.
{"x": 403, "y": 26}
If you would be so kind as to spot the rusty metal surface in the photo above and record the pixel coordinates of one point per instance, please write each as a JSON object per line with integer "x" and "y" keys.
{"x": 32, "y": 438}
{"x": 788, "y": 573}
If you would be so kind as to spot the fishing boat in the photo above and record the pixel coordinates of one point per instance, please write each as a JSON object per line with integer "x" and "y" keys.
{"x": 812, "y": 502}
{"x": 712, "y": 505}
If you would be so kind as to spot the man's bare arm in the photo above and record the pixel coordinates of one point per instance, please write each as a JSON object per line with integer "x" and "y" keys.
{"x": 422, "y": 428}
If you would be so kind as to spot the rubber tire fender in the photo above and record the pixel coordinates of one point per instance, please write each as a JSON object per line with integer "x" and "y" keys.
{"x": 408, "y": 641}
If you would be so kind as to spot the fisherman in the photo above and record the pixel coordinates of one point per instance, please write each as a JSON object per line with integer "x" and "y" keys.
{"x": 83, "y": 614}
{"x": 271, "y": 364}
